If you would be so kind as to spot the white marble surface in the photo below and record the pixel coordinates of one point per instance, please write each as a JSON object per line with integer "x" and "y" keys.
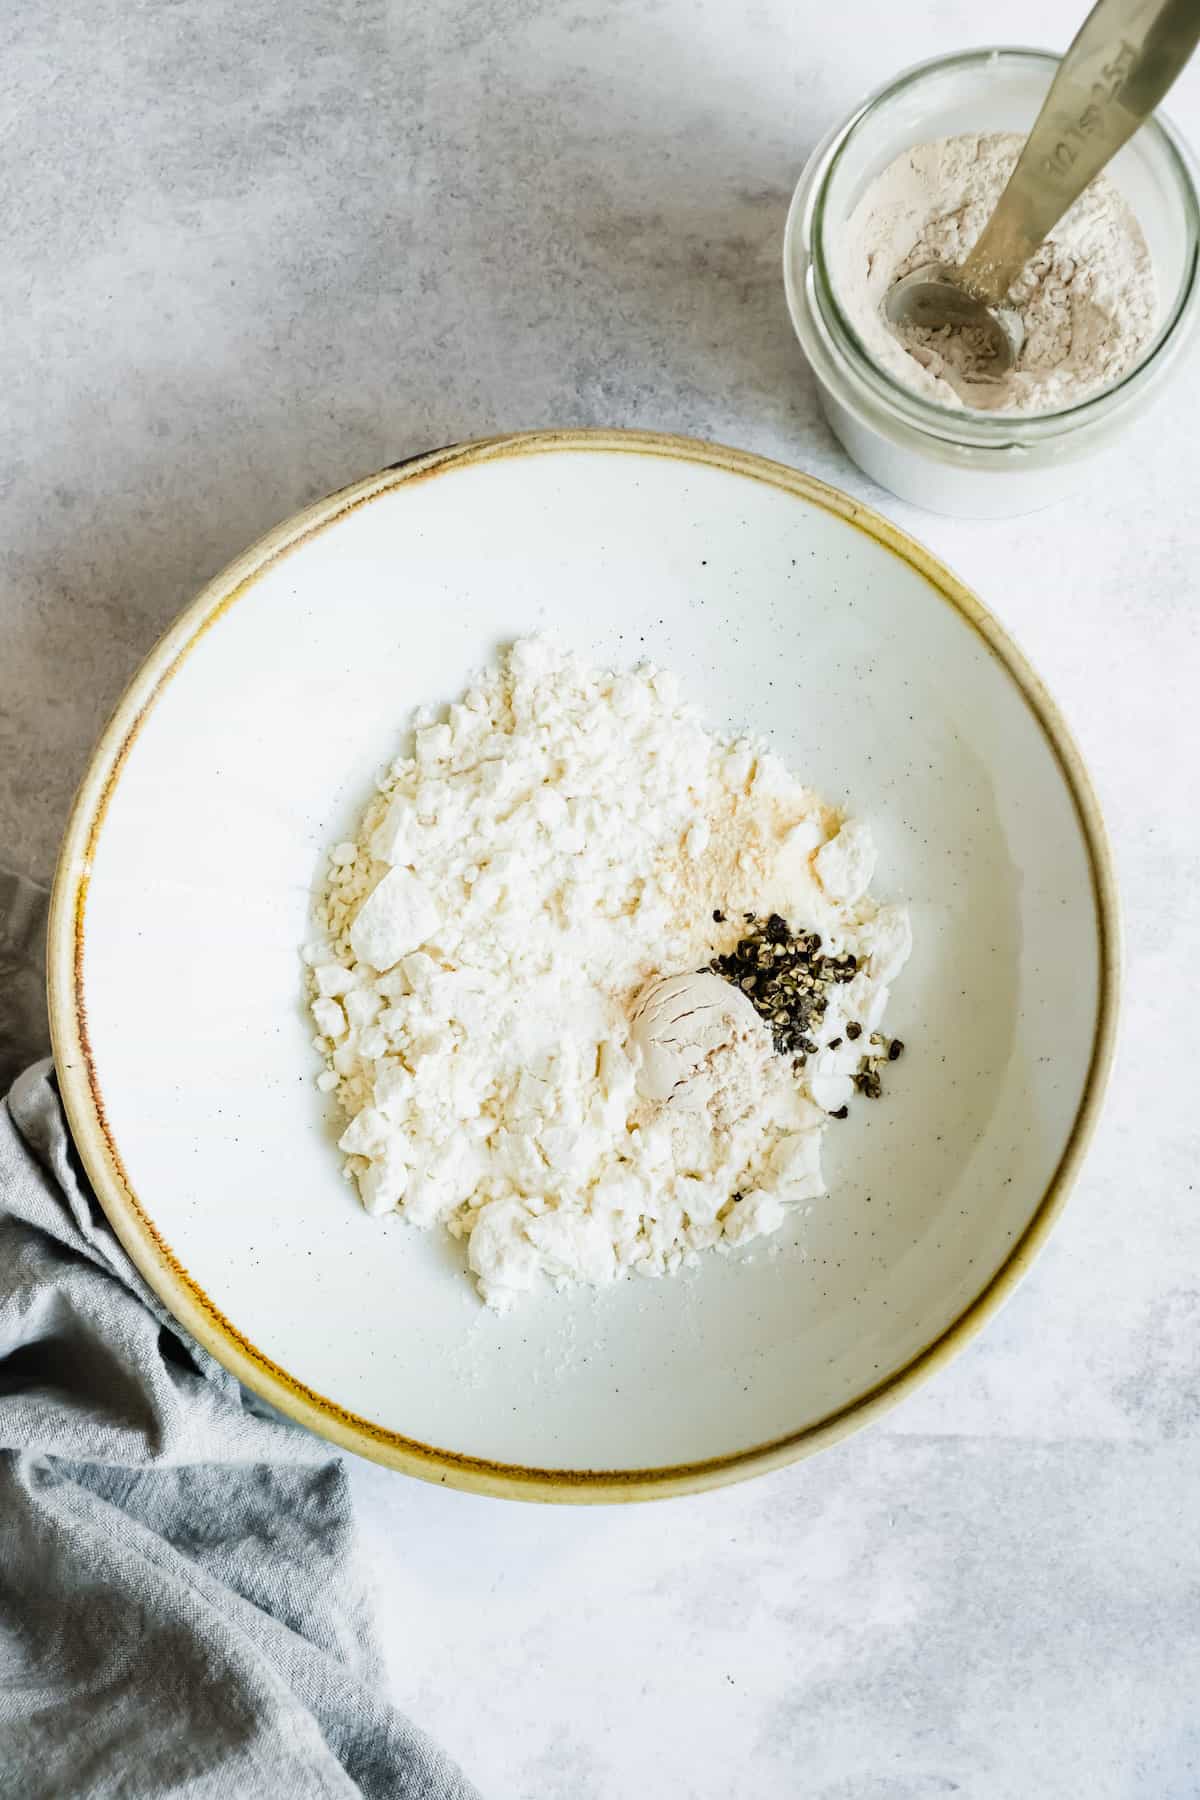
{"x": 254, "y": 251}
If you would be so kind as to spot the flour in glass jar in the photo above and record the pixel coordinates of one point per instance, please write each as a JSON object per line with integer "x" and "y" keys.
{"x": 1087, "y": 299}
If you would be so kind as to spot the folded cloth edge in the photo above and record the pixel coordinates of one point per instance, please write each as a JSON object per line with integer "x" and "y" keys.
{"x": 181, "y": 1607}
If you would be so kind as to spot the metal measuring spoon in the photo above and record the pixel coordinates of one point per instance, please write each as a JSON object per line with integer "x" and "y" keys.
{"x": 1126, "y": 55}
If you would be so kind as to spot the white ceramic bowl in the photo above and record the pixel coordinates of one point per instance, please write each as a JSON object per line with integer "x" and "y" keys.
{"x": 246, "y": 746}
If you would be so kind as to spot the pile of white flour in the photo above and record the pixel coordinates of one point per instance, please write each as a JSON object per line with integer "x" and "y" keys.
{"x": 556, "y": 841}
{"x": 1087, "y": 299}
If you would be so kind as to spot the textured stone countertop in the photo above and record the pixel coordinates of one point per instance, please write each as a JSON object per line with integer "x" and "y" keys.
{"x": 254, "y": 251}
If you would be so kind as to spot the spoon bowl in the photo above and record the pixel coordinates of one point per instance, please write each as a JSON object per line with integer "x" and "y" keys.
{"x": 930, "y": 299}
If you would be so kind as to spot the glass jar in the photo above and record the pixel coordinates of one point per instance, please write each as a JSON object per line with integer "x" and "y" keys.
{"x": 976, "y": 464}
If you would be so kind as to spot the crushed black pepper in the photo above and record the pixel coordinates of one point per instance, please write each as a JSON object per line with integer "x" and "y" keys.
{"x": 787, "y": 977}
{"x": 867, "y": 1081}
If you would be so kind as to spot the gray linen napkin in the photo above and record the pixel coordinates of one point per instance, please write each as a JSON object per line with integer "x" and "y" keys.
{"x": 180, "y": 1610}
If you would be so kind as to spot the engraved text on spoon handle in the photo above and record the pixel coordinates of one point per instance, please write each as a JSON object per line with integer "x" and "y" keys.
{"x": 1125, "y": 56}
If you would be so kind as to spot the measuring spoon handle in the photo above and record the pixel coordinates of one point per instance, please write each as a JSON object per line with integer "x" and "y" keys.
{"x": 1123, "y": 59}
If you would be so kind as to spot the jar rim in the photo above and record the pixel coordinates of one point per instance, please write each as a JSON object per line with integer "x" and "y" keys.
{"x": 966, "y": 423}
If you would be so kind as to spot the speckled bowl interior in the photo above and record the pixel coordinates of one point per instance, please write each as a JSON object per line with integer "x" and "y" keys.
{"x": 247, "y": 745}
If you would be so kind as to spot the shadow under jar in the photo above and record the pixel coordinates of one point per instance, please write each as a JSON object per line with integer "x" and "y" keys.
{"x": 968, "y": 463}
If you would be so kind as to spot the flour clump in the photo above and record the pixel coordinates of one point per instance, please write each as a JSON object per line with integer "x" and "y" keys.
{"x": 590, "y": 981}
